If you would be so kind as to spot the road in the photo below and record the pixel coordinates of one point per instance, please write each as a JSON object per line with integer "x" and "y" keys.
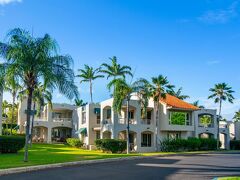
{"x": 201, "y": 166}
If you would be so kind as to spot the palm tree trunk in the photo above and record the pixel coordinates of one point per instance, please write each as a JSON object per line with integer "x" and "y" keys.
{"x": 33, "y": 116}
{"x": 218, "y": 120}
{"x": 91, "y": 91}
{"x": 29, "y": 107}
{"x": 1, "y": 101}
{"x": 157, "y": 117}
{"x": 13, "y": 102}
{"x": 128, "y": 143}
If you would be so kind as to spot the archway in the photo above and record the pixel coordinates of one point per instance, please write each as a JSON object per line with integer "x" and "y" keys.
{"x": 60, "y": 134}
{"x": 107, "y": 134}
{"x": 132, "y": 138}
{"x": 40, "y": 134}
{"x": 206, "y": 135}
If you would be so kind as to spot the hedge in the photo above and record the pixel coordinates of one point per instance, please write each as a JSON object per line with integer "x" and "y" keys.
{"x": 11, "y": 144}
{"x": 111, "y": 145}
{"x": 74, "y": 142}
{"x": 235, "y": 144}
{"x": 190, "y": 144}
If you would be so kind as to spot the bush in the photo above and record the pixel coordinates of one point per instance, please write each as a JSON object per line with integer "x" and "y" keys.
{"x": 8, "y": 132}
{"x": 190, "y": 144}
{"x": 74, "y": 142}
{"x": 111, "y": 145}
{"x": 235, "y": 144}
{"x": 11, "y": 144}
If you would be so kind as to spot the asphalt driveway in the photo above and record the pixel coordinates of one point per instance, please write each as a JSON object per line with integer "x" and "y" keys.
{"x": 201, "y": 166}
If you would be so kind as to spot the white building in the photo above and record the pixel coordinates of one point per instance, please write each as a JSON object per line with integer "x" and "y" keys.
{"x": 177, "y": 119}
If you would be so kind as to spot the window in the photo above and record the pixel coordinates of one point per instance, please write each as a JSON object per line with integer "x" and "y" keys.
{"x": 109, "y": 113}
{"x": 98, "y": 118}
{"x": 131, "y": 114}
{"x": 174, "y": 135}
{"x": 180, "y": 118}
{"x": 83, "y": 117}
{"x": 97, "y": 134}
{"x": 146, "y": 140}
{"x": 149, "y": 115}
{"x": 205, "y": 120}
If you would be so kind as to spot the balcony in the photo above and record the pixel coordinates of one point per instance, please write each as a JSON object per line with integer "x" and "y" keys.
{"x": 62, "y": 119}
{"x": 107, "y": 121}
{"x": 146, "y": 121}
{"x": 124, "y": 121}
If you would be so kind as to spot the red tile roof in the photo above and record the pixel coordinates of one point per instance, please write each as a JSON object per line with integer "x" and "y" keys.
{"x": 174, "y": 102}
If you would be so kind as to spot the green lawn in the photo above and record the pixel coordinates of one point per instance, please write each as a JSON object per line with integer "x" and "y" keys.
{"x": 229, "y": 178}
{"x": 52, "y": 153}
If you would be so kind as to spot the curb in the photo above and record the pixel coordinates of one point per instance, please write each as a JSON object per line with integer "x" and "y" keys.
{"x": 58, "y": 165}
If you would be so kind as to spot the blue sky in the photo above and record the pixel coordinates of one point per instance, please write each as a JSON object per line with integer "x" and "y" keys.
{"x": 194, "y": 43}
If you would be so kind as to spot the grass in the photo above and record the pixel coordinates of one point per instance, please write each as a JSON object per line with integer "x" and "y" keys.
{"x": 229, "y": 178}
{"x": 40, "y": 154}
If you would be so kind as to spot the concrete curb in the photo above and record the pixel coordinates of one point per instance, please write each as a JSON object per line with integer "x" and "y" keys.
{"x": 57, "y": 165}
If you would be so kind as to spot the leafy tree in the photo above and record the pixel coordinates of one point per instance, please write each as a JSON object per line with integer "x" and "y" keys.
{"x": 221, "y": 92}
{"x": 89, "y": 74}
{"x": 196, "y": 103}
{"x": 35, "y": 60}
{"x": 177, "y": 93}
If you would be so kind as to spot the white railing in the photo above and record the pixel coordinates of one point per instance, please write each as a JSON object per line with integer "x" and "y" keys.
{"x": 222, "y": 125}
{"x": 62, "y": 119}
{"x": 146, "y": 121}
{"x": 40, "y": 119}
{"x": 124, "y": 121}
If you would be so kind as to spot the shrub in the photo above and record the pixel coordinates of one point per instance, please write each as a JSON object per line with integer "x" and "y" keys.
{"x": 235, "y": 144}
{"x": 8, "y": 132}
{"x": 190, "y": 144}
{"x": 11, "y": 144}
{"x": 74, "y": 142}
{"x": 111, "y": 145}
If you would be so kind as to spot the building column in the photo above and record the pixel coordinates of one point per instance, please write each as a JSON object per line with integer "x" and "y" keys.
{"x": 49, "y": 135}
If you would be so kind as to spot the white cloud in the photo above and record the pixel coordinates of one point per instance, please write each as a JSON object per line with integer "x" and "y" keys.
{"x": 213, "y": 62}
{"x": 5, "y": 2}
{"x": 220, "y": 15}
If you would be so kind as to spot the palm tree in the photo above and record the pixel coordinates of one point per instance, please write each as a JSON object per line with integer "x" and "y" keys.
{"x": 196, "y": 103}
{"x": 115, "y": 70}
{"x": 178, "y": 93}
{"x": 89, "y": 74}
{"x": 221, "y": 92}
{"x": 237, "y": 116}
{"x": 122, "y": 92}
{"x": 159, "y": 87}
{"x": 35, "y": 60}
{"x": 12, "y": 85}
{"x": 6, "y": 107}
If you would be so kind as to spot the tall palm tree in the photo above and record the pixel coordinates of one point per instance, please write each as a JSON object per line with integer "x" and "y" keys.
{"x": 178, "y": 93}
{"x": 115, "y": 70}
{"x": 196, "y": 103}
{"x": 12, "y": 85}
{"x": 122, "y": 92}
{"x": 237, "y": 116}
{"x": 159, "y": 87}
{"x": 221, "y": 92}
{"x": 89, "y": 74}
{"x": 35, "y": 60}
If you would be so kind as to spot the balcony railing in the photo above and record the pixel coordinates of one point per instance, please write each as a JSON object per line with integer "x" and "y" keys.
{"x": 62, "y": 119}
{"x": 40, "y": 119}
{"x": 222, "y": 125}
{"x": 146, "y": 121}
{"x": 124, "y": 121}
